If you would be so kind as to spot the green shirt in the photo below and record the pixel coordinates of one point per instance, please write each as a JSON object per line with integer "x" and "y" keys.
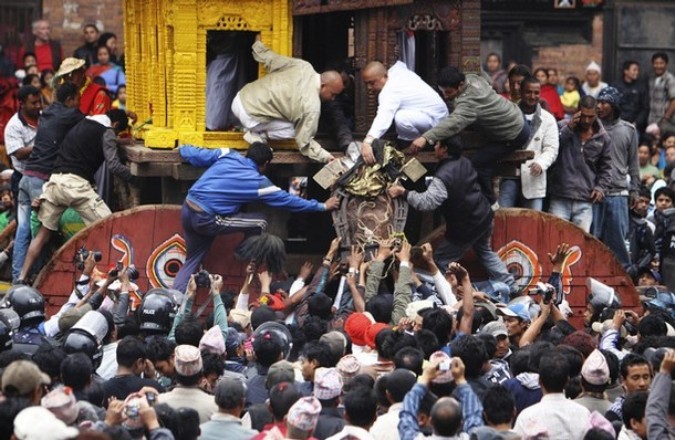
{"x": 5, "y": 218}
{"x": 650, "y": 170}
{"x": 478, "y": 104}
{"x": 69, "y": 224}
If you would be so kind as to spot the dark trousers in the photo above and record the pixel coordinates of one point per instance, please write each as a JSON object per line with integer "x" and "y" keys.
{"x": 200, "y": 229}
{"x": 487, "y": 157}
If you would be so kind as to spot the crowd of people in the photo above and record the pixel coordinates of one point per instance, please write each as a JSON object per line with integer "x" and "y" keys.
{"x": 603, "y": 156}
{"x": 36, "y": 61}
{"x": 393, "y": 343}
{"x": 391, "y": 348}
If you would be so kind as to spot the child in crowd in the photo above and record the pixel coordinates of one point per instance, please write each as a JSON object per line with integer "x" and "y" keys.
{"x": 32, "y": 80}
{"x": 121, "y": 101}
{"x": 649, "y": 173}
{"x": 46, "y": 88}
{"x": 571, "y": 97}
{"x": 7, "y": 229}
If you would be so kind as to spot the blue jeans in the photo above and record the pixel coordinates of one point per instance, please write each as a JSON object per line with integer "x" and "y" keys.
{"x": 576, "y": 211}
{"x": 448, "y": 252}
{"x": 511, "y": 196}
{"x": 29, "y": 188}
{"x": 496, "y": 290}
{"x": 610, "y": 225}
{"x": 201, "y": 229}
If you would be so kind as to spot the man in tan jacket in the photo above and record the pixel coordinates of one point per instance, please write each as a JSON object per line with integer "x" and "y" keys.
{"x": 286, "y": 103}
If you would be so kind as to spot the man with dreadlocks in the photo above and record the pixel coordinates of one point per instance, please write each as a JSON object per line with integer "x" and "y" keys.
{"x": 468, "y": 216}
{"x": 213, "y": 204}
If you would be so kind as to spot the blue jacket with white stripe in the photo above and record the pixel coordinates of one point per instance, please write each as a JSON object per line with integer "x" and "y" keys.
{"x": 233, "y": 180}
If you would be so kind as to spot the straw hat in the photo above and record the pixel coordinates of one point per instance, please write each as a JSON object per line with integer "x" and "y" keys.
{"x": 70, "y": 65}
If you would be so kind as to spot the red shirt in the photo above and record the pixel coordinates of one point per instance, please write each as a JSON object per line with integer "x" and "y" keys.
{"x": 550, "y": 94}
{"x": 43, "y": 53}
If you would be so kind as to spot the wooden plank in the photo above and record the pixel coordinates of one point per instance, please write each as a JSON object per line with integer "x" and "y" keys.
{"x": 139, "y": 153}
{"x": 152, "y": 169}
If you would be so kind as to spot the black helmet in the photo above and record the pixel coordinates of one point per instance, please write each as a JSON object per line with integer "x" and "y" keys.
{"x": 6, "y": 333}
{"x": 79, "y": 341}
{"x": 157, "y": 311}
{"x": 27, "y": 302}
{"x": 281, "y": 330}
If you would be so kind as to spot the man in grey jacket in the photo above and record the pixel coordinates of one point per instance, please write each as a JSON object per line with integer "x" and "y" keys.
{"x": 581, "y": 175}
{"x": 610, "y": 217}
{"x": 226, "y": 423}
{"x": 659, "y": 411}
{"x": 476, "y": 103}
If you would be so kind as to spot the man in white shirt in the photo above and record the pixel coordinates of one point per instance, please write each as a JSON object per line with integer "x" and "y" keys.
{"x": 20, "y": 132}
{"x": 555, "y": 416}
{"x": 402, "y": 98}
{"x": 398, "y": 383}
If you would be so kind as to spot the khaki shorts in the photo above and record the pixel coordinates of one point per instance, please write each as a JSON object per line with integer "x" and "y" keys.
{"x": 64, "y": 191}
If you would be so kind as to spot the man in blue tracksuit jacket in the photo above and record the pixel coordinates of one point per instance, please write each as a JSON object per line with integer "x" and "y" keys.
{"x": 213, "y": 203}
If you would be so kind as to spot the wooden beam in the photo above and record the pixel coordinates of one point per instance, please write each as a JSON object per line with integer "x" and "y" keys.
{"x": 145, "y": 162}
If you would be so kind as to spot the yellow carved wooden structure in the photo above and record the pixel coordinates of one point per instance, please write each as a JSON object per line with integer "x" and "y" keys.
{"x": 165, "y": 50}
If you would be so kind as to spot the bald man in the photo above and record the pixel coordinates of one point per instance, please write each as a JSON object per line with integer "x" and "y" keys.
{"x": 402, "y": 98}
{"x": 286, "y": 103}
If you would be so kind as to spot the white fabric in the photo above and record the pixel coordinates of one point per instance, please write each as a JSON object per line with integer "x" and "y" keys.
{"x": 297, "y": 285}
{"x": 51, "y": 326}
{"x": 545, "y": 144}
{"x": 627, "y": 434}
{"x": 593, "y": 91}
{"x": 411, "y": 124}
{"x": 101, "y": 119}
{"x": 386, "y": 425}
{"x": 273, "y": 129}
{"x": 242, "y": 302}
{"x": 561, "y": 417}
{"x": 352, "y": 432}
{"x": 108, "y": 367}
{"x": 405, "y": 91}
{"x": 444, "y": 290}
{"x": 18, "y": 136}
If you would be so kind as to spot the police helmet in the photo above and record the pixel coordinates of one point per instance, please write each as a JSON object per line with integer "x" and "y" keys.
{"x": 82, "y": 342}
{"x": 27, "y": 302}
{"x": 157, "y": 311}
{"x": 6, "y": 333}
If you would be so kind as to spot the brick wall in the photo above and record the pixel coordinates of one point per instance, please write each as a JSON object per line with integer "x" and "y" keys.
{"x": 68, "y": 17}
{"x": 470, "y": 37}
{"x": 572, "y": 59}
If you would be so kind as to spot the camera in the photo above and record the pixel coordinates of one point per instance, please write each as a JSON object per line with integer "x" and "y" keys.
{"x": 151, "y": 398}
{"x": 132, "y": 411}
{"x": 203, "y": 279}
{"x": 444, "y": 365}
{"x": 131, "y": 271}
{"x": 83, "y": 253}
{"x": 548, "y": 293}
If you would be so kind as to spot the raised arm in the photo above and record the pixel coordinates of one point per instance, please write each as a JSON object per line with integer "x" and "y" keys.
{"x": 404, "y": 284}
{"x": 463, "y": 279}
{"x": 186, "y": 308}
